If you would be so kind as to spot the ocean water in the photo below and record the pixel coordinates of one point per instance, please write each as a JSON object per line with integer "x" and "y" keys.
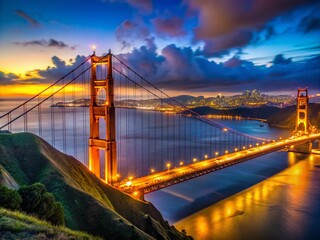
{"x": 275, "y": 196}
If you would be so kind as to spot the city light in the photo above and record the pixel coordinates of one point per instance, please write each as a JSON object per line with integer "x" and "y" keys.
{"x": 225, "y": 129}
{"x": 194, "y": 160}
{"x": 206, "y": 156}
{"x": 181, "y": 163}
{"x": 152, "y": 170}
{"x": 226, "y": 152}
{"x": 216, "y": 153}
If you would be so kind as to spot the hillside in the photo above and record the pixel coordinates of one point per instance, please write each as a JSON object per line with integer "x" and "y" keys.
{"x": 7, "y": 180}
{"x": 89, "y": 204}
{"x": 279, "y": 117}
{"x": 286, "y": 117}
{"x": 262, "y": 112}
{"x": 16, "y": 225}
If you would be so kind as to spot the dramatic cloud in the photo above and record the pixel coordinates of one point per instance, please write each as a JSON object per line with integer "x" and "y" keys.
{"x": 182, "y": 69}
{"x": 59, "y": 69}
{"x": 7, "y": 78}
{"x": 279, "y": 59}
{"x": 25, "y": 16}
{"x": 222, "y": 45}
{"x": 129, "y": 31}
{"x": 46, "y": 43}
{"x": 310, "y": 24}
{"x": 171, "y": 26}
{"x": 223, "y": 22}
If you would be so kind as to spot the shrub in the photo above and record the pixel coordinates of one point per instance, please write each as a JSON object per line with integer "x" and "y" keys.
{"x": 9, "y": 198}
{"x": 36, "y": 200}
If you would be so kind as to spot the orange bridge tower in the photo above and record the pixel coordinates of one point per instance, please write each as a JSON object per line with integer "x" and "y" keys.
{"x": 104, "y": 110}
{"x": 302, "y": 126}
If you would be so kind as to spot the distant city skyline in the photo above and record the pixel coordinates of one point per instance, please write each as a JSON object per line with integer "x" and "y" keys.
{"x": 190, "y": 47}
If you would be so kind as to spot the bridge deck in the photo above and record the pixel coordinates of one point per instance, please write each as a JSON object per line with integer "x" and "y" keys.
{"x": 166, "y": 178}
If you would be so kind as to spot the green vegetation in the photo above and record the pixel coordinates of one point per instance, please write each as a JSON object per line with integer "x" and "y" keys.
{"x": 36, "y": 200}
{"x": 17, "y": 225}
{"x": 9, "y": 198}
{"x": 89, "y": 204}
{"x": 33, "y": 199}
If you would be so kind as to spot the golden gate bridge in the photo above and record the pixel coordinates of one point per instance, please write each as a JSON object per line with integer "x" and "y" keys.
{"x": 133, "y": 135}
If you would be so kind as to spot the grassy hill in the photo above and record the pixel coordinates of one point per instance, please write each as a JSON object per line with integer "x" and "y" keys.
{"x": 17, "y": 225}
{"x": 89, "y": 204}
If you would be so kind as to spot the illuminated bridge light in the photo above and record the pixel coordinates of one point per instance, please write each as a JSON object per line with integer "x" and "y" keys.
{"x": 168, "y": 166}
{"x": 129, "y": 183}
{"x": 206, "y": 156}
{"x": 225, "y": 129}
{"x": 236, "y": 149}
{"x": 250, "y": 145}
{"x": 244, "y": 147}
{"x": 216, "y": 153}
{"x": 194, "y": 160}
{"x": 257, "y": 144}
{"x": 226, "y": 152}
{"x": 181, "y": 163}
{"x": 130, "y": 178}
{"x": 152, "y": 170}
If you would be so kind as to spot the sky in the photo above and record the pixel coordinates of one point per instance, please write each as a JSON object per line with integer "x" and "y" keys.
{"x": 196, "y": 47}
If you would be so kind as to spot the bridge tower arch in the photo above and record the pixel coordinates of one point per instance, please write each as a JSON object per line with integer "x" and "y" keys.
{"x": 105, "y": 111}
{"x": 302, "y": 112}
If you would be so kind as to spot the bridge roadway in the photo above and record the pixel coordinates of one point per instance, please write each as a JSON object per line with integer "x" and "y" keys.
{"x": 140, "y": 186}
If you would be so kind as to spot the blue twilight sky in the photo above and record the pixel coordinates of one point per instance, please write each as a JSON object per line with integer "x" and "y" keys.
{"x": 184, "y": 46}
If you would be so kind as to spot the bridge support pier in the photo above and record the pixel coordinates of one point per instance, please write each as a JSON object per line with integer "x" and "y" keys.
{"x": 138, "y": 195}
{"x": 302, "y": 148}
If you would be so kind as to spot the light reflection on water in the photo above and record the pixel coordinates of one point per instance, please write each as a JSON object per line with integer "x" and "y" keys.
{"x": 284, "y": 206}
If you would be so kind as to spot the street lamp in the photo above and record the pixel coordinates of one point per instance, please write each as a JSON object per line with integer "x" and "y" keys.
{"x": 168, "y": 166}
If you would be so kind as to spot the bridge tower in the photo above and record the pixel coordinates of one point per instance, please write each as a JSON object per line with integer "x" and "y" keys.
{"x": 302, "y": 124}
{"x": 302, "y": 112}
{"x": 102, "y": 110}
